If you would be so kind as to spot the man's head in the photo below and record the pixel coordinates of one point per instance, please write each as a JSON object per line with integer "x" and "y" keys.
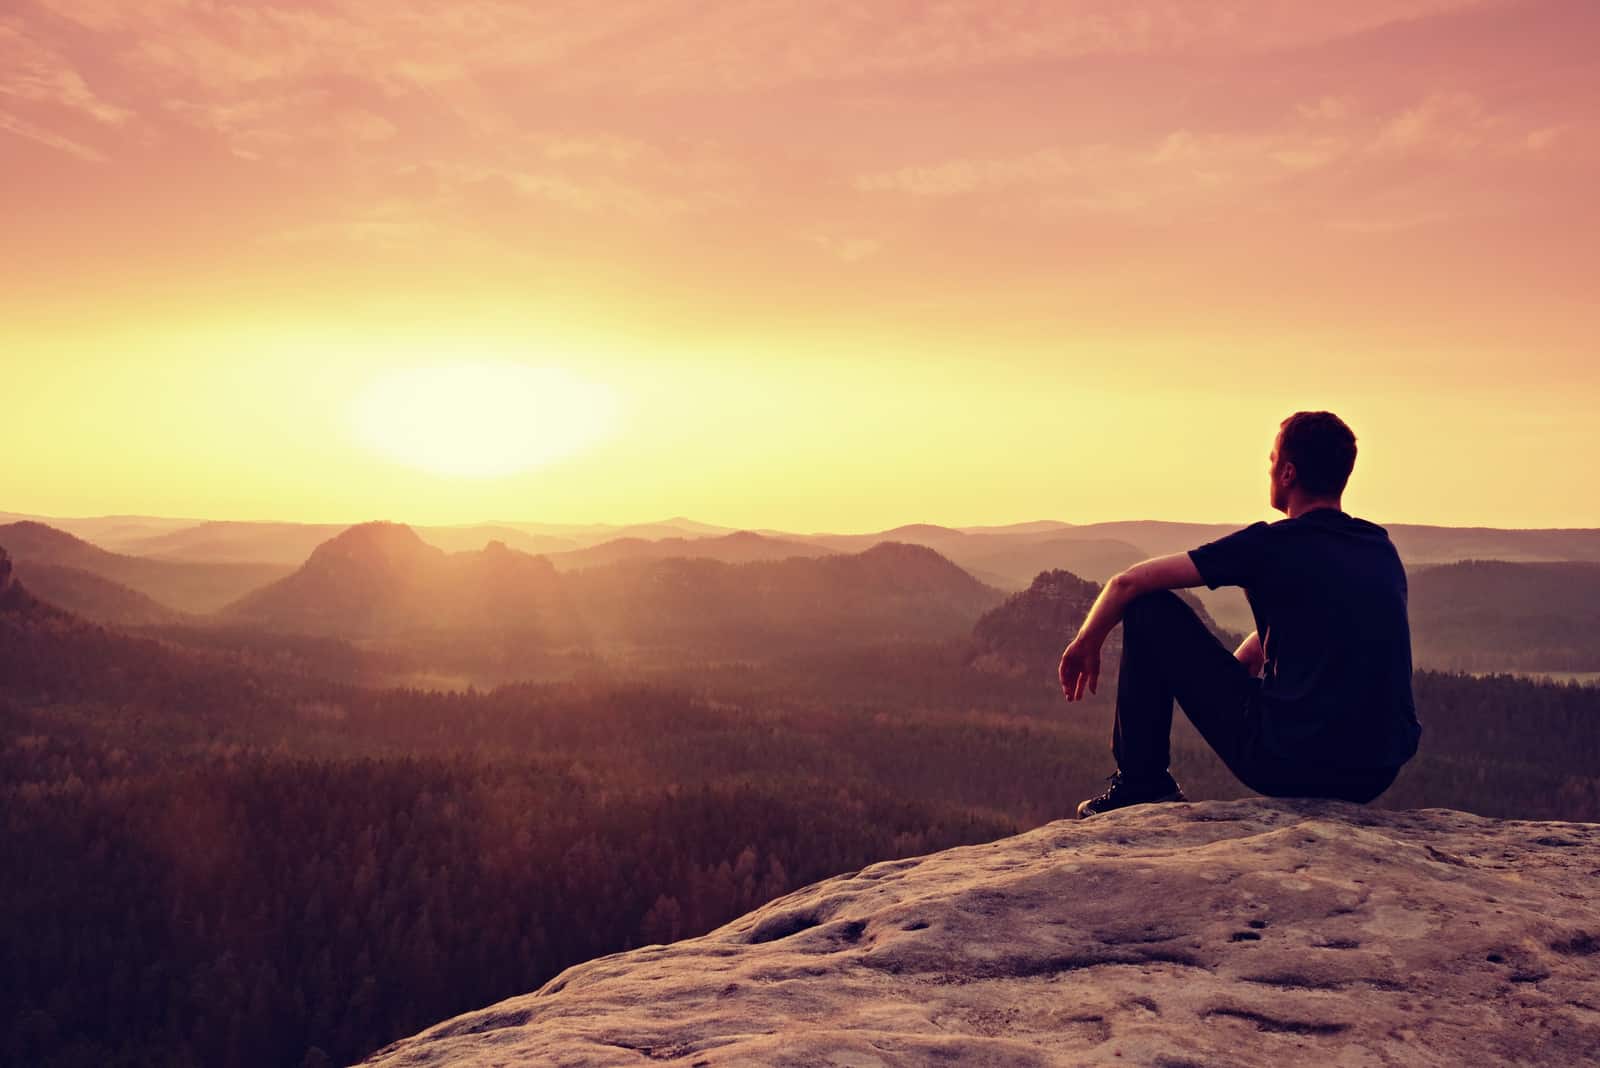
{"x": 1313, "y": 455}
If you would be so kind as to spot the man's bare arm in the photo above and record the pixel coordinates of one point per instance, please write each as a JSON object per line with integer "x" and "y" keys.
{"x": 1176, "y": 571}
{"x": 1080, "y": 663}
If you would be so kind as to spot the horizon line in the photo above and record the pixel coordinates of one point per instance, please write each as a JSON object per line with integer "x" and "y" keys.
{"x": 15, "y": 516}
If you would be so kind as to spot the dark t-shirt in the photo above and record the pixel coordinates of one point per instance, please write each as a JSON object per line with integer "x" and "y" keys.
{"x": 1328, "y": 592}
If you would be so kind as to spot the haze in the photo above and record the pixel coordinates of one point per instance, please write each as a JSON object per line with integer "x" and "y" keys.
{"x": 829, "y": 266}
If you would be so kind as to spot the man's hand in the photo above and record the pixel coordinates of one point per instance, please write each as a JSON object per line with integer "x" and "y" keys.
{"x": 1080, "y": 669}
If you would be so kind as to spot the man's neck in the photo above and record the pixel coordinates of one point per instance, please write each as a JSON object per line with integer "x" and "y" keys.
{"x": 1300, "y": 508}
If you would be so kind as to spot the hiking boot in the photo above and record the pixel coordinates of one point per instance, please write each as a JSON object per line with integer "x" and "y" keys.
{"x": 1124, "y": 792}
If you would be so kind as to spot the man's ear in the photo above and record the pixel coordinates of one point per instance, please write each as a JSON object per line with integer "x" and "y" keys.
{"x": 1286, "y": 473}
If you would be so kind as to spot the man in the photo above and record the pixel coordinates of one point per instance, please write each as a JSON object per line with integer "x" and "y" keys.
{"x": 1317, "y": 701}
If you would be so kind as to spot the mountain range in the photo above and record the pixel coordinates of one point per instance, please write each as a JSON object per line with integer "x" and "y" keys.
{"x": 382, "y": 579}
{"x": 677, "y": 582}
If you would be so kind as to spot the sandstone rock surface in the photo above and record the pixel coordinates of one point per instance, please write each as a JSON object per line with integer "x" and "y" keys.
{"x": 1238, "y": 933}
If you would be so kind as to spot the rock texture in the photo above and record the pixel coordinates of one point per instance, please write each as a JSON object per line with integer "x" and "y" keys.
{"x": 1220, "y": 934}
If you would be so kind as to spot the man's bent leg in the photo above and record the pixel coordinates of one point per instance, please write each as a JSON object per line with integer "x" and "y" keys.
{"x": 1361, "y": 786}
{"x": 1167, "y": 653}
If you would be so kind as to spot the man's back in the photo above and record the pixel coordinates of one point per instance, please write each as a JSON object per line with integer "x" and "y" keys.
{"x": 1328, "y": 592}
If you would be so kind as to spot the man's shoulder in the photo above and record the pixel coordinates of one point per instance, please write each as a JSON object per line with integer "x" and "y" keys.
{"x": 1330, "y": 518}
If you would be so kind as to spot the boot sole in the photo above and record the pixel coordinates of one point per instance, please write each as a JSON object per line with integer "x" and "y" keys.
{"x": 1083, "y": 805}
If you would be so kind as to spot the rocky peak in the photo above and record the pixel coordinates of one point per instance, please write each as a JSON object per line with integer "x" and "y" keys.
{"x": 377, "y": 543}
{"x": 1247, "y": 933}
{"x": 1027, "y": 632}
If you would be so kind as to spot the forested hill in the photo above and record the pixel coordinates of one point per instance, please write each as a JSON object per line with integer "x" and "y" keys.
{"x": 1491, "y": 615}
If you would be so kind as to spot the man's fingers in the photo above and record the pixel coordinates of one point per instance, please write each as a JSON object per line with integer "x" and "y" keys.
{"x": 1094, "y": 682}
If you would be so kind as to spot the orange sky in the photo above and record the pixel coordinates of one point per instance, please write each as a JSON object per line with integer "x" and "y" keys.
{"x": 828, "y": 265}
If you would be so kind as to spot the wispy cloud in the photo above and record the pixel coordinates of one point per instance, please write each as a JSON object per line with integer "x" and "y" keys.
{"x": 31, "y": 70}
{"x": 22, "y": 128}
{"x": 1337, "y": 137}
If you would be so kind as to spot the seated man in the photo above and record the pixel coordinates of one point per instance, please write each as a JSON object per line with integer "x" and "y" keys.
{"x": 1317, "y": 701}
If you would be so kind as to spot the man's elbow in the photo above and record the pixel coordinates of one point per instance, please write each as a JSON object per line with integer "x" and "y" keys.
{"x": 1126, "y": 585}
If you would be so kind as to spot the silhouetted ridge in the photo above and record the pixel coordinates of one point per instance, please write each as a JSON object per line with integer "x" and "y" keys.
{"x": 29, "y": 538}
{"x": 921, "y": 530}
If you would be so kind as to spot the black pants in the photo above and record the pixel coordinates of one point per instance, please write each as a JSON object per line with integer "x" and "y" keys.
{"x": 1168, "y": 653}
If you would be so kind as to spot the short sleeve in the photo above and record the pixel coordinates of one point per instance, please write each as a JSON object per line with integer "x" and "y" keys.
{"x": 1233, "y": 559}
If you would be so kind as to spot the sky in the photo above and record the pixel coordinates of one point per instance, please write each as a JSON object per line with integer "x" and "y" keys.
{"x": 800, "y": 264}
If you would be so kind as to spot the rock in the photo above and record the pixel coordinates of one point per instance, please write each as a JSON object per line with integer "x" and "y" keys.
{"x": 1220, "y": 933}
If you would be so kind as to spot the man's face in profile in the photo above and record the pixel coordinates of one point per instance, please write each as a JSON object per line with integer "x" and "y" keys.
{"x": 1277, "y": 493}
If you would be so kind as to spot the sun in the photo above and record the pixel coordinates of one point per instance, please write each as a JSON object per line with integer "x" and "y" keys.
{"x": 481, "y": 419}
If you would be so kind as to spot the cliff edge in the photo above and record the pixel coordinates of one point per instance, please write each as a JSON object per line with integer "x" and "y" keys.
{"x": 1237, "y": 933}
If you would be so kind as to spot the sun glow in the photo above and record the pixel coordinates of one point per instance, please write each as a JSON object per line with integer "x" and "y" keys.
{"x": 479, "y": 419}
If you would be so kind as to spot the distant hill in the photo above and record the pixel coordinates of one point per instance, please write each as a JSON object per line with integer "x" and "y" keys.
{"x": 888, "y": 592}
{"x": 928, "y": 534}
{"x": 1037, "y": 526}
{"x": 739, "y": 547}
{"x": 581, "y": 535}
{"x": 185, "y": 586}
{"x": 1433, "y": 545}
{"x": 382, "y": 579}
{"x": 477, "y": 536}
{"x": 1491, "y": 615}
{"x": 1092, "y": 558}
{"x": 233, "y": 542}
{"x": 1027, "y": 633}
{"x": 1005, "y": 556}
{"x": 1417, "y": 544}
{"x": 291, "y": 543}
{"x": 86, "y": 594}
{"x": 107, "y": 531}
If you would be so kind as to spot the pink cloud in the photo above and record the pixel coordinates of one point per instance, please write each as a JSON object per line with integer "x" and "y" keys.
{"x": 22, "y": 128}
{"x": 881, "y": 134}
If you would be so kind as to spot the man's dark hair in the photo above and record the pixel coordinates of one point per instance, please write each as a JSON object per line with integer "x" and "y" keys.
{"x": 1322, "y": 449}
